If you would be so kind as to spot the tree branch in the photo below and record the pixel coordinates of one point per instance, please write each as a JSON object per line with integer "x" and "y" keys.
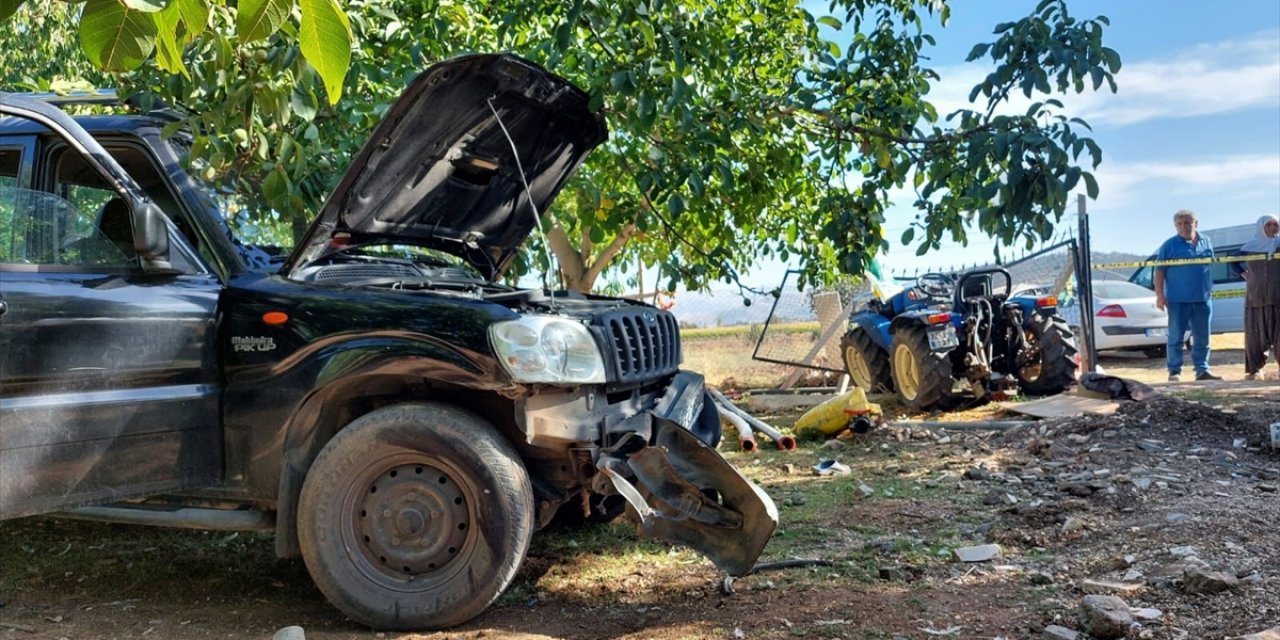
{"x": 601, "y": 262}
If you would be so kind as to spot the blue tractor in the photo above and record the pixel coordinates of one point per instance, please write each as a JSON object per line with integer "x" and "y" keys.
{"x": 948, "y": 337}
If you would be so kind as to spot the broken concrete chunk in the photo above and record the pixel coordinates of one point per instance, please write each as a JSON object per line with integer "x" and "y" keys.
{"x": 1105, "y": 617}
{"x": 1110, "y": 587}
{"x": 1269, "y": 634}
{"x": 980, "y": 553}
{"x": 1054, "y": 632}
{"x": 1146, "y": 613}
{"x": 1202, "y": 580}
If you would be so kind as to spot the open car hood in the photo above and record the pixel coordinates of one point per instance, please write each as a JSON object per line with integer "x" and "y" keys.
{"x": 439, "y": 171}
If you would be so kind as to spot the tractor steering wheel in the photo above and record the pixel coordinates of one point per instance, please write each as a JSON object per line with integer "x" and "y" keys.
{"x": 936, "y": 285}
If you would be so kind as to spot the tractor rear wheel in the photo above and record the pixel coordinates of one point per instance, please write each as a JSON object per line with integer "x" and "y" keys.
{"x": 866, "y": 363}
{"x": 1048, "y": 366}
{"x": 922, "y": 377}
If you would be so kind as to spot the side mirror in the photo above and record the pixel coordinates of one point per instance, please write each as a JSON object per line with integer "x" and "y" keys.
{"x": 151, "y": 238}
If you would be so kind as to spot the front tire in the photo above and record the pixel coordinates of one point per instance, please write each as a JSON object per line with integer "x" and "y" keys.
{"x": 866, "y": 363}
{"x": 922, "y": 377}
{"x": 415, "y": 516}
{"x": 1049, "y": 364}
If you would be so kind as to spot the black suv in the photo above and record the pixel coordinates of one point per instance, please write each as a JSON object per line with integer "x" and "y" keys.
{"x": 395, "y": 415}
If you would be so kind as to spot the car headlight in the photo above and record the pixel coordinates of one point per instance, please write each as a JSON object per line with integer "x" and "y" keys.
{"x": 546, "y": 349}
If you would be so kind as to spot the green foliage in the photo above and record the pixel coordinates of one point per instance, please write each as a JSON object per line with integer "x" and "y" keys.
{"x": 120, "y": 35}
{"x": 740, "y": 131}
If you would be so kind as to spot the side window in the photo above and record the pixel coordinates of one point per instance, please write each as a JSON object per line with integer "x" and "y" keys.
{"x": 39, "y": 228}
{"x": 10, "y": 162}
{"x": 105, "y": 226}
{"x": 1221, "y": 271}
{"x": 1143, "y": 276}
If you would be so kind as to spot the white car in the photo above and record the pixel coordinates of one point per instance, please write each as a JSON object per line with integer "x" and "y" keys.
{"x": 1125, "y": 317}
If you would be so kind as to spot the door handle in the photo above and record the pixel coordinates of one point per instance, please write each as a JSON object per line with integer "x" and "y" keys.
{"x": 4, "y": 306}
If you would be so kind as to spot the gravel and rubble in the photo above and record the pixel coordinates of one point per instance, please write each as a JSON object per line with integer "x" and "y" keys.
{"x": 1160, "y": 521}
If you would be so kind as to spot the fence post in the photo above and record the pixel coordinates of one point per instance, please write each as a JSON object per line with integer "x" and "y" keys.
{"x": 1084, "y": 278}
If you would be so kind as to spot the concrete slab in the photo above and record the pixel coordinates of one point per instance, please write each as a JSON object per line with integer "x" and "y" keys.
{"x": 1062, "y": 406}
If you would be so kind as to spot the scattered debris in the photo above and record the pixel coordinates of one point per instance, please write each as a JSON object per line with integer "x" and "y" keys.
{"x": 831, "y": 468}
{"x": 290, "y": 633}
{"x": 980, "y": 553}
{"x": 1105, "y": 617}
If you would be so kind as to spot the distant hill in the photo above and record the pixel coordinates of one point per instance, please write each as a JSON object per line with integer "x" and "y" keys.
{"x": 719, "y": 308}
{"x": 1108, "y": 257}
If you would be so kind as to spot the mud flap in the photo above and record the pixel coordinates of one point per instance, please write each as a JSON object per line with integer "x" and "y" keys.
{"x": 680, "y": 490}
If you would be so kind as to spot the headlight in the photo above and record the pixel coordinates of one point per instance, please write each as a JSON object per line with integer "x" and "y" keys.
{"x": 545, "y": 349}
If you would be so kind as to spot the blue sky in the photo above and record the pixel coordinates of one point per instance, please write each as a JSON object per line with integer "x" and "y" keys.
{"x": 1195, "y": 123}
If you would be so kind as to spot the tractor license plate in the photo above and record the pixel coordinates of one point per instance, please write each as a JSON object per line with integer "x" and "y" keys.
{"x": 943, "y": 339}
{"x": 1157, "y": 332}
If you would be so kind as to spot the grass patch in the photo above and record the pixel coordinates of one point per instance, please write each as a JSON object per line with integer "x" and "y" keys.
{"x": 744, "y": 330}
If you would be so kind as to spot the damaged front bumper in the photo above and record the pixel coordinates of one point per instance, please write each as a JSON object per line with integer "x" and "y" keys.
{"x": 681, "y": 490}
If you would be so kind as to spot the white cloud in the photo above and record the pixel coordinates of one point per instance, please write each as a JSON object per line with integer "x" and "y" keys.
{"x": 1221, "y": 77}
{"x": 1124, "y": 184}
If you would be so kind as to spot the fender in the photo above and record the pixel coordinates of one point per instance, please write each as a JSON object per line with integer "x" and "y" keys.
{"x": 320, "y": 388}
{"x": 910, "y": 318}
{"x": 877, "y": 326}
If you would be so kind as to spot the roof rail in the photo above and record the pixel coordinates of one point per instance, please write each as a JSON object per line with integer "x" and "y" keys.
{"x": 107, "y": 98}
{"x": 97, "y": 96}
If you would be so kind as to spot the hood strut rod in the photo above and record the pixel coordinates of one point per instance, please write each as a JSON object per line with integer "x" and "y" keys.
{"x": 528, "y": 193}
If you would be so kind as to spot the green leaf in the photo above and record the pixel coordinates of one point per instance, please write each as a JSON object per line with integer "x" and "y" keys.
{"x": 145, "y": 6}
{"x": 303, "y": 103}
{"x": 276, "y": 187}
{"x": 325, "y": 39}
{"x": 831, "y": 21}
{"x": 1072, "y": 178}
{"x": 1112, "y": 59}
{"x": 115, "y": 38}
{"x": 168, "y": 50}
{"x": 195, "y": 17}
{"x": 696, "y": 186}
{"x": 908, "y": 236}
{"x": 8, "y": 8}
{"x": 1090, "y": 185}
{"x": 621, "y": 82}
{"x": 675, "y": 205}
{"x": 977, "y": 51}
{"x": 258, "y": 19}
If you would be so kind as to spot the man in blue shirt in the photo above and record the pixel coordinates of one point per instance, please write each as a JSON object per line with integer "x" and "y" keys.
{"x": 1184, "y": 291}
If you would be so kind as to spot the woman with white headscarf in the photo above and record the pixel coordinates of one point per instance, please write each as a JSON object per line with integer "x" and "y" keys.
{"x": 1262, "y": 296}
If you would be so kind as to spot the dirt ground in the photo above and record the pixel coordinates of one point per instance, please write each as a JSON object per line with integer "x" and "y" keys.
{"x": 1171, "y": 504}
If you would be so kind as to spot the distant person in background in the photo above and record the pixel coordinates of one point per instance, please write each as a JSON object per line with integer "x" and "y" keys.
{"x": 1261, "y": 297}
{"x": 1184, "y": 291}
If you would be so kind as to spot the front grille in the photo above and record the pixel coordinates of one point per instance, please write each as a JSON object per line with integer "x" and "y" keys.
{"x": 645, "y": 343}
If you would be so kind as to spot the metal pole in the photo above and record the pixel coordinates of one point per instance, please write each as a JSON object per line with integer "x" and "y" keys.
{"x": 1084, "y": 278}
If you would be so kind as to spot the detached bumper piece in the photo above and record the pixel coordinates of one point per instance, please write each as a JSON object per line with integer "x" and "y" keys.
{"x": 680, "y": 490}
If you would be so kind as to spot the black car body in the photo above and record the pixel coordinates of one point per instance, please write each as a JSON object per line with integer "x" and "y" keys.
{"x": 379, "y": 401}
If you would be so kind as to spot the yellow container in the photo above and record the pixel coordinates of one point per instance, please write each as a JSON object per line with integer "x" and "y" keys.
{"x": 834, "y": 415}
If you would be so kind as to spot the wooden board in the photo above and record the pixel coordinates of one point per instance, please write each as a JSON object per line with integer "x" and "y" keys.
{"x": 1063, "y": 406}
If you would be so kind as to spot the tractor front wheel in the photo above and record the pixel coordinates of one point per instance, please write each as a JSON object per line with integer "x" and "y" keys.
{"x": 866, "y": 363}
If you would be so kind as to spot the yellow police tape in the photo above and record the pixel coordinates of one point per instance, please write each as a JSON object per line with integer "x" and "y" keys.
{"x": 1188, "y": 261}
